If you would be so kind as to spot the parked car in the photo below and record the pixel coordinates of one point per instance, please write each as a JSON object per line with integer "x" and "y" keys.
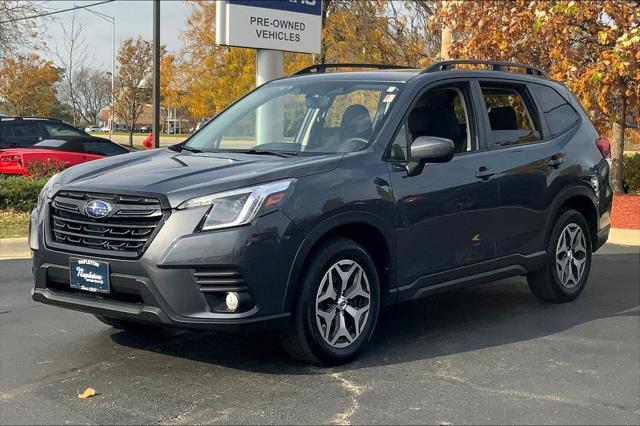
{"x": 22, "y": 132}
{"x": 92, "y": 129}
{"x": 348, "y": 191}
{"x": 72, "y": 151}
{"x": 145, "y": 129}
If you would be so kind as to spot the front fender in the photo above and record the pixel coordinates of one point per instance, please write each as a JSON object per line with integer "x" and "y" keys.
{"x": 322, "y": 229}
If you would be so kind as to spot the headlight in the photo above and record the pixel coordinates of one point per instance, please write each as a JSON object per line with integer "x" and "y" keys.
{"x": 240, "y": 206}
{"x": 47, "y": 190}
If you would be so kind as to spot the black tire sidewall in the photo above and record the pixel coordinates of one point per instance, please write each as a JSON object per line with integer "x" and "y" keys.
{"x": 336, "y": 251}
{"x": 565, "y": 218}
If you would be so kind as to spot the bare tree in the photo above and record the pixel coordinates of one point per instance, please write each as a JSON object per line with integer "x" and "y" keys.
{"x": 93, "y": 88}
{"x": 72, "y": 59}
{"x": 15, "y": 31}
{"x": 135, "y": 58}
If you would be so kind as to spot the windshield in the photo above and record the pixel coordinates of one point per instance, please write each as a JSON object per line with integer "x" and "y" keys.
{"x": 310, "y": 116}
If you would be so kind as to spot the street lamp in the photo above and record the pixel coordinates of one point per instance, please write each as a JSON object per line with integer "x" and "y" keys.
{"x": 112, "y": 20}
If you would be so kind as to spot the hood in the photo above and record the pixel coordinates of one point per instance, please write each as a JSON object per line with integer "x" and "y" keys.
{"x": 180, "y": 176}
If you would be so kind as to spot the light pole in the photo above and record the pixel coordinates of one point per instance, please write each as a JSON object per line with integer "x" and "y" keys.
{"x": 112, "y": 20}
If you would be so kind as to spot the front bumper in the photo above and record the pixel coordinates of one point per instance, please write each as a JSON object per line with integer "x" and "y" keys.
{"x": 160, "y": 287}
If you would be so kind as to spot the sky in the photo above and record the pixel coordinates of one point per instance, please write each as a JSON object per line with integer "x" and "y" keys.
{"x": 133, "y": 18}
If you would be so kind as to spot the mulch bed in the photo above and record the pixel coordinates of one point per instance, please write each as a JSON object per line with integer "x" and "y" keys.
{"x": 626, "y": 211}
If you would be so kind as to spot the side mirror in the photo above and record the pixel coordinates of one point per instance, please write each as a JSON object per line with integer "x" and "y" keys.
{"x": 428, "y": 149}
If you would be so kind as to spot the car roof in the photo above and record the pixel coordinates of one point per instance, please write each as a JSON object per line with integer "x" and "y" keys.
{"x": 9, "y": 118}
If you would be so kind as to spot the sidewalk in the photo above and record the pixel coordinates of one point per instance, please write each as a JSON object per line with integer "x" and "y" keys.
{"x": 18, "y": 248}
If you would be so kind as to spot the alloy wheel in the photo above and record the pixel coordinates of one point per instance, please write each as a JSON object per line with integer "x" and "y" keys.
{"x": 571, "y": 255}
{"x": 343, "y": 303}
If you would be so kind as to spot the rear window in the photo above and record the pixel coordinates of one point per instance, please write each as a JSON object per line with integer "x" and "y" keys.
{"x": 559, "y": 114}
{"x": 50, "y": 143}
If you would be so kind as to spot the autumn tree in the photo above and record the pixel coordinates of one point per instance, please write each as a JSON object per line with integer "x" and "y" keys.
{"x": 28, "y": 86}
{"x": 15, "y": 31}
{"x": 135, "y": 58}
{"x": 591, "y": 46}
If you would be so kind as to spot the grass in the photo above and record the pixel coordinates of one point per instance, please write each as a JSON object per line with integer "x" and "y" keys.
{"x": 14, "y": 224}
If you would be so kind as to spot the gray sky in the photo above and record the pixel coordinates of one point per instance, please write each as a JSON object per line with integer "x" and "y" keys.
{"x": 133, "y": 18}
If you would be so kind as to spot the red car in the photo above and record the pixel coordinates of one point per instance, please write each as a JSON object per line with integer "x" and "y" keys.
{"x": 72, "y": 151}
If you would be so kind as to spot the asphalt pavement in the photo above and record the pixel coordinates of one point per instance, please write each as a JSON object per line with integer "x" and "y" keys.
{"x": 488, "y": 354}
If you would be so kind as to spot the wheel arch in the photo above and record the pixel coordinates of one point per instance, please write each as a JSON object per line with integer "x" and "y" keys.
{"x": 364, "y": 228}
{"x": 581, "y": 199}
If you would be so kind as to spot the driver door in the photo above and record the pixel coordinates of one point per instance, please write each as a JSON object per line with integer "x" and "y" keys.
{"x": 444, "y": 216}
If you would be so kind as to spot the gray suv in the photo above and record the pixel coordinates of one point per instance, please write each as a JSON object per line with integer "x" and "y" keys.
{"x": 316, "y": 199}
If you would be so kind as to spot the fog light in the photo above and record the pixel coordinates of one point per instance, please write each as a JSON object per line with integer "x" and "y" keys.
{"x": 232, "y": 301}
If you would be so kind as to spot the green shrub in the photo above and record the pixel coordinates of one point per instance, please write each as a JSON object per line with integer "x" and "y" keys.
{"x": 20, "y": 193}
{"x": 631, "y": 173}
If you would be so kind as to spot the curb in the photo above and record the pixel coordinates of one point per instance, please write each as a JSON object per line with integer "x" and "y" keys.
{"x": 624, "y": 237}
{"x": 14, "y": 248}
{"x": 18, "y": 248}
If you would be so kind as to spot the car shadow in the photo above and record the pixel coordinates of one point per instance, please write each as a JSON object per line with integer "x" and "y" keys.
{"x": 480, "y": 317}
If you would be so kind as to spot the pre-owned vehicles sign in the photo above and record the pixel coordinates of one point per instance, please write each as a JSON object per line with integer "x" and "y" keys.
{"x": 290, "y": 25}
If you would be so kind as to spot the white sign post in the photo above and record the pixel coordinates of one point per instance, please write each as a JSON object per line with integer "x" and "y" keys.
{"x": 272, "y": 27}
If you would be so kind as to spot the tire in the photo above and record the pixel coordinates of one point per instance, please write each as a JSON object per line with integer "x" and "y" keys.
{"x": 331, "y": 328}
{"x": 568, "y": 261}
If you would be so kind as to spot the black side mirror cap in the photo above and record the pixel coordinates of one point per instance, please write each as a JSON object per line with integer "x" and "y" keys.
{"x": 429, "y": 149}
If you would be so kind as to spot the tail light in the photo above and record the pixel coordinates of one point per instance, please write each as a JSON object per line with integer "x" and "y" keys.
{"x": 605, "y": 147}
{"x": 11, "y": 159}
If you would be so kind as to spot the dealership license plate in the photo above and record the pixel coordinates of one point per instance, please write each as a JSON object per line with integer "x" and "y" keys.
{"x": 89, "y": 275}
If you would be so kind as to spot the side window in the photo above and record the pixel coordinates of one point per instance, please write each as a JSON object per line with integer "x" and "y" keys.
{"x": 559, "y": 114}
{"x": 512, "y": 119}
{"x": 26, "y": 130}
{"x": 441, "y": 112}
{"x": 103, "y": 148}
{"x": 60, "y": 129}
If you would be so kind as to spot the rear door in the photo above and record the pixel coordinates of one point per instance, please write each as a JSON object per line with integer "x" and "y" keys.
{"x": 529, "y": 163}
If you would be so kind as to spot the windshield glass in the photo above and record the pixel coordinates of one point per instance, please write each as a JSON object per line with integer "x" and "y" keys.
{"x": 310, "y": 116}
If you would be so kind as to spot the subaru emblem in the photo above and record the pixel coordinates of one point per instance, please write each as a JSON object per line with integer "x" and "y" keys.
{"x": 97, "y": 209}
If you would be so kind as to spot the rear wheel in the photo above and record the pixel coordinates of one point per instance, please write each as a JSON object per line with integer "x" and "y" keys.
{"x": 337, "y": 306}
{"x": 568, "y": 260}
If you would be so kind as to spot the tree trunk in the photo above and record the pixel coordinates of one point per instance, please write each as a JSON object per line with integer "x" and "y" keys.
{"x": 445, "y": 40}
{"x": 131, "y": 136}
{"x": 617, "y": 147}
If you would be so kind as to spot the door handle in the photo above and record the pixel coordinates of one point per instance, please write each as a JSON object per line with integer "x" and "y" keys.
{"x": 555, "y": 160}
{"x": 484, "y": 172}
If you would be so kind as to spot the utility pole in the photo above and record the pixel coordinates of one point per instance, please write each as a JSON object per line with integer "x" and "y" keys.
{"x": 156, "y": 74}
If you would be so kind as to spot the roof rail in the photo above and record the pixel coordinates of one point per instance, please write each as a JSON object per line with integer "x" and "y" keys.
{"x": 495, "y": 66}
{"x": 321, "y": 68}
{"x": 31, "y": 117}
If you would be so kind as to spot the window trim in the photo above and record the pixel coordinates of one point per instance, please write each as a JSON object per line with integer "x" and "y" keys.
{"x": 520, "y": 87}
{"x": 472, "y": 105}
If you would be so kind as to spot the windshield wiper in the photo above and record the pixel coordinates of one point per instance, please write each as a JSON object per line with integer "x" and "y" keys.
{"x": 283, "y": 154}
{"x": 182, "y": 147}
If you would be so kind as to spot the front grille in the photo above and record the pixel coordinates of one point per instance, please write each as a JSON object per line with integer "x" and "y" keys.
{"x": 126, "y": 230}
{"x": 219, "y": 280}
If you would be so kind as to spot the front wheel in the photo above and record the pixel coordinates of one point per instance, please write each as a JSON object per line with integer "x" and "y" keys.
{"x": 337, "y": 306}
{"x": 566, "y": 270}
